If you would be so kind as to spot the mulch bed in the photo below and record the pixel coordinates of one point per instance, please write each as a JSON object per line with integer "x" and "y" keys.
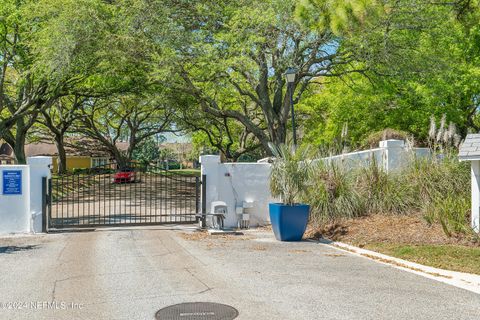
{"x": 407, "y": 229}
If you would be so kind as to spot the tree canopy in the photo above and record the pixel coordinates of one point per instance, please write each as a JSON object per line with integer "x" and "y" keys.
{"x": 422, "y": 60}
{"x": 215, "y": 70}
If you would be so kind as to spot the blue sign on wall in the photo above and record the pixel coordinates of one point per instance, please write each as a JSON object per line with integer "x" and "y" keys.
{"x": 12, "y": 182}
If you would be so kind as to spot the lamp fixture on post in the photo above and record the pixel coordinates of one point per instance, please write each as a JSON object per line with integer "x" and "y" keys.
{"x": 290, "y": 75}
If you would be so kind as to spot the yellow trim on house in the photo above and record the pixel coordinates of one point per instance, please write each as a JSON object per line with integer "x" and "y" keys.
{"x": 74, "y": 162}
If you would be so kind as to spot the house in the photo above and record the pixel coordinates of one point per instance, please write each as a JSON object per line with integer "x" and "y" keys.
{"x": 6, "y": 153}
{"x": 77, "y": 158}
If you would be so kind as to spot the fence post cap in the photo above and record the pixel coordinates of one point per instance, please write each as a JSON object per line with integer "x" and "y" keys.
{"x": 40, "y": 160}
{"x": 392, "y": 143}
{"x": 209, "y": 159}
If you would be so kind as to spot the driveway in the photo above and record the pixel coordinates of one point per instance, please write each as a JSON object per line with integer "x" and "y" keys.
{"x": 132, "y": 273}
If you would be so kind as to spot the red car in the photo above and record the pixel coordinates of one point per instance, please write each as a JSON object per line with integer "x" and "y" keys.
{"x": 125, "y": 176}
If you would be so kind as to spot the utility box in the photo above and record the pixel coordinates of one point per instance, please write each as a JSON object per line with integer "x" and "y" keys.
{"x": 218, "y": 211}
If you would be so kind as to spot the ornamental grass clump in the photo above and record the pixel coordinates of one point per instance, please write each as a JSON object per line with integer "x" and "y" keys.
{"x": 332, "y": 193}
{"x": 451, "y": 213}
{"x": 384, "y": 193}
{"x": 442, "y": 184}
{"x": 436, "y": 177}
{"x": 436, "y": 187}
{"x": 290, "y": 174}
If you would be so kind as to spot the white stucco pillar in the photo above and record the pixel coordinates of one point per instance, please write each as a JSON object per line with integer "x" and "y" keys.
{"x": 14, "y": 199}
{"x": 475, "y": 173}
{"x": 393, "y": 154}
{"x": 210, "y": 167}
{"x": 39, "y": 168}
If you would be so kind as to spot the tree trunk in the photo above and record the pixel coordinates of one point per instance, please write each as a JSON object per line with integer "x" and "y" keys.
{"x": 19, "y": 149}
{"x": 131, "y": 148}
{"x": 279, "y": 136}
{"x": 62, "y": 155}
{"x": 21, "y": 130}
{"x": 132, "y": 144}
{"x": 121, "y": 161}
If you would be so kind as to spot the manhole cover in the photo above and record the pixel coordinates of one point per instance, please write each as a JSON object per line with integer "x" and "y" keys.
{"x": 197, "y": 311}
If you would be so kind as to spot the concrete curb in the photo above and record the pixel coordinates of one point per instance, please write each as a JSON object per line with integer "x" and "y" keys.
{"x": 467, "y": 281}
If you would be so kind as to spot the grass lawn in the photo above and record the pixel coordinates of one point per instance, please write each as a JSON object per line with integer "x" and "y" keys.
{"x": 407, "y": 237}
{"x": 450, "y": 257}
{"x": 186, "y": 172}
{"x": 62, "y": 185}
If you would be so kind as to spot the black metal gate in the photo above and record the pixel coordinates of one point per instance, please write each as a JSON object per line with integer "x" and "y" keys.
{"x": 136, "y": 195}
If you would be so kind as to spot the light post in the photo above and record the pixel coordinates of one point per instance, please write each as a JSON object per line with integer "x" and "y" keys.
{"x": 291, "y": 74}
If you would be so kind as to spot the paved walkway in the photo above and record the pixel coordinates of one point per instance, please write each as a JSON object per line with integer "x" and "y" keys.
{"x": 130, "y": 274}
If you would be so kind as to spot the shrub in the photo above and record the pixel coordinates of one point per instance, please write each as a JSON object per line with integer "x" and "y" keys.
{"x": 451, "y": 212}
{"x": 174, "y": 166}
{"x": 332, "y": 194}
{"x": 437, "y": 187}
{"x": 171, "y": 166}
{"x": 374, "y": 138}
{"x": 443, "y": 185}
{"x": 384, "y": 192}
{"x": 437, "y": 177}
{"x": 80, "y": 170}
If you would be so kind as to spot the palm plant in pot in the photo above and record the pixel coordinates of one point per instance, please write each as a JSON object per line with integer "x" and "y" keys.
{"x": 288, "y": 180}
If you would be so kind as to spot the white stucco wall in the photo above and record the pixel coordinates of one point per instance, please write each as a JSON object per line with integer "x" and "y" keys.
{"x": 15, "y": 209}
{"x": 235, "y": 183}
{"x": 359, "y": 158}
{"x": 39, "y": 167}
{"x": 390, "y": 155}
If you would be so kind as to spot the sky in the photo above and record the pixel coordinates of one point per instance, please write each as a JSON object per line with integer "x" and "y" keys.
{"x": 181, "y": 138}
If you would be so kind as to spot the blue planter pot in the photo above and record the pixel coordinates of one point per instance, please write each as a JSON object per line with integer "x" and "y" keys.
{"x": 289, "y": 222}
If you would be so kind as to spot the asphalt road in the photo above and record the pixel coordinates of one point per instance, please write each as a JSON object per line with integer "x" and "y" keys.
{"x": 132, "y": 273}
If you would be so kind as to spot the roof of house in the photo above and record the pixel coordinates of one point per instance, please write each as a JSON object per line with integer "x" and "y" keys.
{"x": 6, "y": 151}
{"x": 179, "y": 147}
{"x": 74, "y": 147}
{"x": 40, "y": 149}
{"x": 470, "y": 148}
{"x": 80, "y": 148}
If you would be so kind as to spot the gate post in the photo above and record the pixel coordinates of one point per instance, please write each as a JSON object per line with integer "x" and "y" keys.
{"x": 49, "y": 202}
{"x": 39, "y": 168}
{"x": 204, "y": 200}
{"x": 44, "y": 204}
{"x": 197, "y": 197}
{"x": 210, "y": 166}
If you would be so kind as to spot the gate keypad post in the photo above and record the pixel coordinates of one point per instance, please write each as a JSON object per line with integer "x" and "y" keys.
{"x": 204, "y": 201}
